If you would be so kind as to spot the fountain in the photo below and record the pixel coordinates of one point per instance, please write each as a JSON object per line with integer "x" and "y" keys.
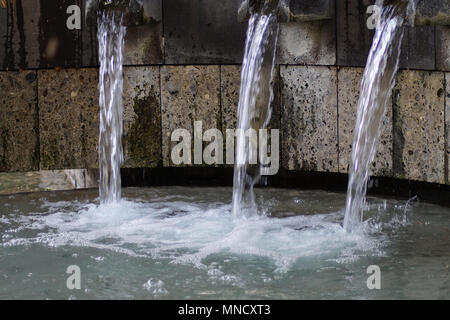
{"x": 255, "y": 99}
{"x": 174, "y": 242}
{"x": 377, "y": 84}
{"x": 112, "y": 17}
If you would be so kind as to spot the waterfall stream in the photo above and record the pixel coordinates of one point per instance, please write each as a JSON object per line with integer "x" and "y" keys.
{"x": 376, "y": 87}
{"x": 254, "y": 109}
{"x": 111, "y": 35}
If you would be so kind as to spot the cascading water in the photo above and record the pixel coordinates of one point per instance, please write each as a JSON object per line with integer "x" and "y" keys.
{"x": 111, "y": 35}
{"x": 376, "y": 87}
{"x": 255, "y": 99}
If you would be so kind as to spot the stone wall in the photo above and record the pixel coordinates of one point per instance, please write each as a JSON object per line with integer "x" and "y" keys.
{"x": 183, "y": 65}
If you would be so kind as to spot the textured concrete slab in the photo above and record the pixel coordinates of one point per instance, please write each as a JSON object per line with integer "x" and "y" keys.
{"x": 197, "y": 31}
{"x": 68, "y": 118}
{"x": 230, "y": 87}
{"x": 230, "y": 77}
{"x": 142, "y": 117}
{"x": 349, "y": 85}
{"x": 419, "y": 128}
{"x": 19, "y": 123}
{"x": 188, "y": 94}
{"x": 309, "y": 118}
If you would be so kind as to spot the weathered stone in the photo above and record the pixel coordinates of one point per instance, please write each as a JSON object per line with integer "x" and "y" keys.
{"x": 68, "y": 118}
{"x": 432, "y": 12}
{"x": 189, "y": 93}
{"x": 307, "y": 43}
{"x": 447, "y": 125}
{"x": 230, "y": 87}
{"x": 354, "y": 38}
{"x": 443, "y": 48}
{"x": 19, "y": 123}
{"x": 143, "y": 39}
{"x": 3, "y": 33}
{"x": 230, "y": 77}
{"x": 47, "y": 180}
{"x": 418, "y": 48}
{"x": 38, "y": 35}
{"x": 60, "y": 47}
{"x": 311, "y": 10}
{"x": 419, "y": 133}
{"x": 309, "y": 118}
{"x": 23, "y": 35}
{"x": 142, "y": 117}
{"x": 197, "y": 31}
{"x": 349, "y": 85}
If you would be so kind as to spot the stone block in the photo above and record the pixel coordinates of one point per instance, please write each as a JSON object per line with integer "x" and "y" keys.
{"x": 309, "y": 118}
{"x": 354, "y": 39}
{"x": 307, "y": 43}
{"x": 188, "y": 94}
{"x": 197, "y": 31}
{"x": 419, "y": 128}
{"x": 230, "y": 88}
{"x": 418, "y": 48}
{"x": 447, "y": 126}
{"x": 349, "y": 86}
{"x": 19, "y": 122}
{"x": 142, "y": 117}
{"x": 443, "y": 48}
{"x": 3, "y": 33}
{"x": 68, "y": 118}
{"x": 38, "y": 35}
{"x": 143, "y": 40}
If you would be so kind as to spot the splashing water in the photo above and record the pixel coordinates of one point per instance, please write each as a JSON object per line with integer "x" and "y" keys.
{"x": 255, "y": 99}
{"x": 111, "y": 35}
{"x": 376, "y": 87}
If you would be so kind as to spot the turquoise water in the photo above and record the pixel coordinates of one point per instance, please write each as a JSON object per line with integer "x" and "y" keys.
{"x": 184, "y": 243}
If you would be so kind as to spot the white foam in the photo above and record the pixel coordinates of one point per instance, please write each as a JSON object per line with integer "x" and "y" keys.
{"x": 187, "y": 233}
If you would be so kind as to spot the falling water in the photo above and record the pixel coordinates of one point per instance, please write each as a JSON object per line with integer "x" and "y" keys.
{"x": 255, "y": 98}
{"x": 111, "y": 34}
{"x": 376, "y": 87}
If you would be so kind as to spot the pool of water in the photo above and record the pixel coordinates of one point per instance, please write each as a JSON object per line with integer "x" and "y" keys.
{"x": 184, "y": 243}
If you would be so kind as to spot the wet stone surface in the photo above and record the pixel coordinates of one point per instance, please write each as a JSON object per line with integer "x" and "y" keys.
{"x": 419, "y": 132}
{"x": 197, "y": 31}
{"x": 68, "y": 118}
{"x": 19, "y": 123}
{"x": 348, "y": 95}
{"x": 443, "y": 48}
{"x": 143, "y": 39}
{"x": 38, "y": 36}
{"x": 142, "y": 117}
{"x": 309, "y": 118}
